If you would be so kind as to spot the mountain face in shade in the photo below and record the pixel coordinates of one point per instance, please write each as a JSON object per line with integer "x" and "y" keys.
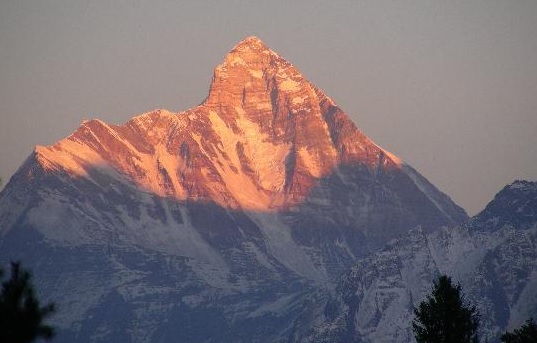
{"x": 493, "y": 256}
{"x": 218, "y": 223}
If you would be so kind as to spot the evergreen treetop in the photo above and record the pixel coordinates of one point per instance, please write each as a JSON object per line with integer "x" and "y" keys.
{"x": 527, "y": 333}
{"x": 445, "y": 316}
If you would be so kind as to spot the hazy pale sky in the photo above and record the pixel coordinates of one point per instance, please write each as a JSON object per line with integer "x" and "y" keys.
{"x": 448, "y": 86}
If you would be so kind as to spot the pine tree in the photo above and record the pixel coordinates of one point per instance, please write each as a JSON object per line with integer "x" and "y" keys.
{"x": 445, "y": 317}
{"x": 527, "y": 333}
{"x": 21, "y": 315}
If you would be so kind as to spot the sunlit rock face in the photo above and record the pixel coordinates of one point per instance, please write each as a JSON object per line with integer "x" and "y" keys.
{"x": 218, "y": 223}
{"x": 261, "y": 140}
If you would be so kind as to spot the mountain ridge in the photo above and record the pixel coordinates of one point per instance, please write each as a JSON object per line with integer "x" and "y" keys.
{"x": 493, "y": 257}
{"x": 235, "y": 214}
{"x": 271, "y": 145}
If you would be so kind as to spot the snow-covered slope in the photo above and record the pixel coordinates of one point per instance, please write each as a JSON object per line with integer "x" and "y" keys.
{"x": 493, "y": 256}
{"x": 218, "y": 223}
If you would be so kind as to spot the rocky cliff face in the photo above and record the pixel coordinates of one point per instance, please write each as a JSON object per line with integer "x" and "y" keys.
{"x": 237, "y": 213}
{"x": 262, "y": 140}
{"x": 493, "y": 256}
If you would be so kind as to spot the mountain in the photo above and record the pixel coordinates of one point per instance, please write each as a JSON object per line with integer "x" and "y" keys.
{"x": 493, "y": 256}
{"x": 219, "y": 223}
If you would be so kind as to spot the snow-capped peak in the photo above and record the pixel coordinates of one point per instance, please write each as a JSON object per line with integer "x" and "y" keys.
{"x": 263, "y": 139}
{"x": 238, "y": 213}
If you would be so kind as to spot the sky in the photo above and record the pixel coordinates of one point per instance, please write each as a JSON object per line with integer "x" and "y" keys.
{"x": 448, "y": 86}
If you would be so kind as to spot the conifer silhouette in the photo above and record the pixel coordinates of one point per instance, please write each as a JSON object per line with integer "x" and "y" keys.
{"x": 21, "y": 315}
{"x": 527, "y": 333}
{"x": 445, "y": 317}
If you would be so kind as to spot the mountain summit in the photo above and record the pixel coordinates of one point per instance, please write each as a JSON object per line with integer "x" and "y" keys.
{"x": 228, "y": 218}
{"x": 262, "y": 140}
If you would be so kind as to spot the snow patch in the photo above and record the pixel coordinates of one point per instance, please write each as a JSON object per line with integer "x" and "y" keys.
{"x": 311, "y": 161}
{"x": 235, "y": 60}
{"x": 275, "y": 307}
{"x": 281, "y": 245}
{"x": 258, "y": 74}
{"x": 298, "y": 100}
{"x": 240, "y": 110}
{"x": 289, "y": 85}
